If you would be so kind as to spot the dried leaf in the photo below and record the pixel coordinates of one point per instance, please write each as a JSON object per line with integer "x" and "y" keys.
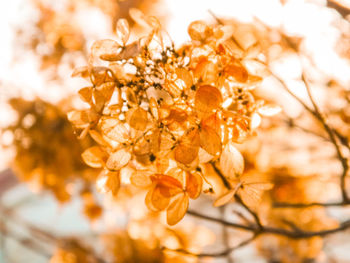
{"x": 137, "y": 119}
{"x": 207, "y": 99}
{"x": 114, "y": 130}
{"x": 94, "y": 157}
{"x": 169, "y": 186}
{"x": 185, "y": 76}
{"x": 129, "y": 51}
{"x": 107, "y": 89}
{"x": 225, "y": 198}
{"x": 86, "y": 94}
{"x": 97, "y": 137}
{"x": 210, "y": 140}
{"x": 155, "y": 201}
{"x": 99, "y": 100}
{"x": 118, "y": 160}
{"x": 187, "y": 150}
{"x": 105, "y": 49}
{"x": 206, "y": 71}
{"x": 198, "y": 30}
{"x": 177, "y": 209}
{"x": 108, "y": 181}
{"x": 141, "y": 179}
{"x": 237, "y": 71}
{"x": 231, "y": 161}
{"x": 194, "y": 184}
{"x": 123, "y": 30}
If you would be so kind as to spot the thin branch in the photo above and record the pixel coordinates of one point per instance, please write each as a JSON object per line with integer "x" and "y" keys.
{"x": 255, "y": 215}
{"x": 225, "y": 235}
{"x": 222, "y": 177}
{"x": 332, "y": 137}
{"x": 305, "y": 205}
{"x": 273, "y": 230}
{"x": 223, "y": 253}
{"x": 317, "y": 114}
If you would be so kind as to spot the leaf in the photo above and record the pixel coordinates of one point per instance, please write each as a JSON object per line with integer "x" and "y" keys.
{"x": 210, "y": 140}
{"x": 137, "y": 119}
{"x": 108, "y": 181}
{"x": 187, "y": 149}
{"x": 207, "y": 99}
{"x": 123, "y": 31}
{"x": 231, "y": 161}
{"x": 225, "y": 198}
{"x": 115, "y": 130}
{"x": 194, "y": 184}
{"x": 177, "y": 209}
{"x": 94, "y": 157}
{"x": 118, "y": 160}
{"x": 141, "y": 179}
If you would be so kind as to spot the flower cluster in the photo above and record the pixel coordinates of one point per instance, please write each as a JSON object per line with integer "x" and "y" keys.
{"x": 166, "y": 113}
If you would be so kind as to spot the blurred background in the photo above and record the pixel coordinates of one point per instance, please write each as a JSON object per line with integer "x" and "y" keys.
{"x": 42, "y": 41}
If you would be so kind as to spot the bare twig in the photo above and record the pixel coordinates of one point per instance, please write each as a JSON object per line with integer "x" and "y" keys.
{"x": 223, "y": 253}
{"x": 273, "y": 230}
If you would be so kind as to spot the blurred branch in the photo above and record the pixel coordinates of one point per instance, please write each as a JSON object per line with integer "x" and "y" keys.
{"x": 255, "y": 215}
{"x": 223, "y": 253}
{"x": 342, "y": 10}
{"x": 273, "y": 230}
{"x": 305, "y": 205}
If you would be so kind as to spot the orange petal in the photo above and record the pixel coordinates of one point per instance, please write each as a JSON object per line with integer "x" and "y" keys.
{"x": 141, "y": 179}
{"x": 194, "y": 184}
{"x": 115, "y": 130}
{"x": 118, "y": 160}
{"x": 207, "y": 99}
{"x": 231, "y": 161}
{"x": 137, "y": 119}
{"x": 198, "y": 30}
{"x": 210, "y": 140}
{"x": 94, "y": 157}
{"x": 157, "y": 201}
{"x": 123, "y": 30}
{"x": 177, "y": 209}
{"x": 187, "y": 150}
{"x": 108, "y": 181}
{"x": 225, "y": 198}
